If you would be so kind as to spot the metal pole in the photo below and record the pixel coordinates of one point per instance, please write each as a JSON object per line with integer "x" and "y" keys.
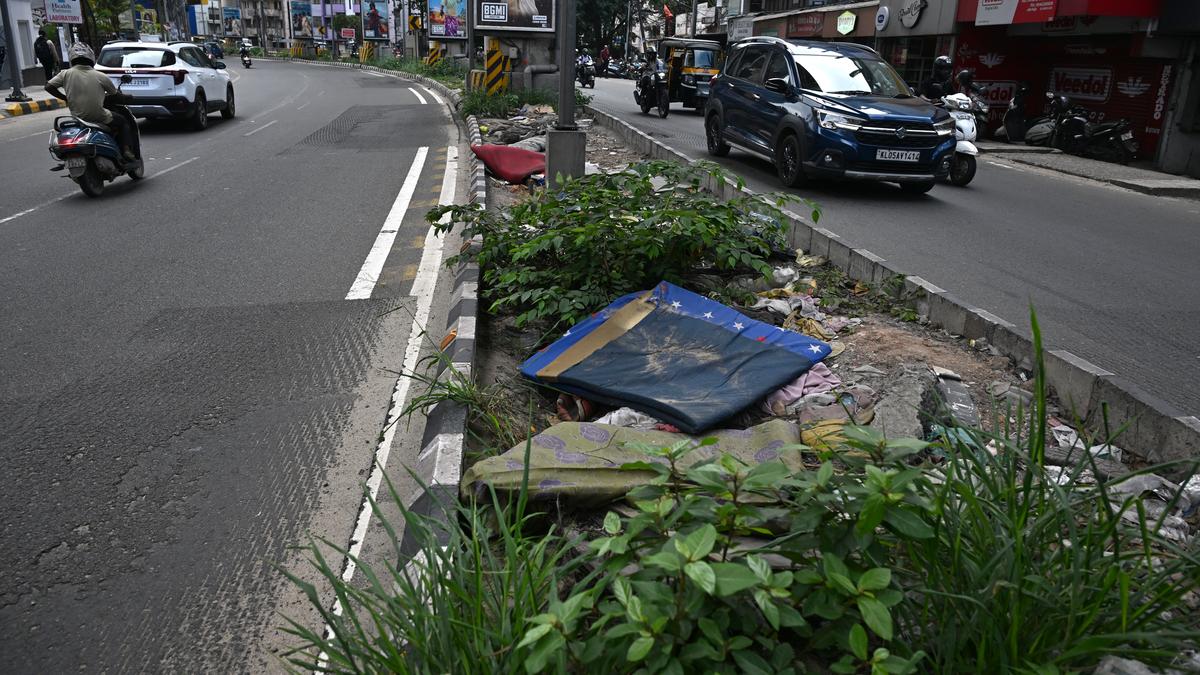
{"x": 628, "y": 29}
{"x": 14, "y": 68}
{"x": 566, "y": 65}
{"x": 470, "y": 18}
{"x": 133, "y": 20}
{"x": 693, "y": 33}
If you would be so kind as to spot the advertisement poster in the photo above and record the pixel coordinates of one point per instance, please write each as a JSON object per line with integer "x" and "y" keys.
{"x": 375, "y": 20}
{"x": 64, "y": 11}
{"x": 232, "y": 20}
{"x": 302, "y": 23}
{"x": 529, "y": 16}
{"x": 448, "y": 19}
{"x": 1007, "y": 12}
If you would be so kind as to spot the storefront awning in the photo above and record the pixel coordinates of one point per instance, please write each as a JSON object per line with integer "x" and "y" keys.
{"x": 816, "y": 10}
{"x": 1004, "y": 12}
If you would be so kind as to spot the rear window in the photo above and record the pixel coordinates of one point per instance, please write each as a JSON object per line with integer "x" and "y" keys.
{"x": 136, "y": 57}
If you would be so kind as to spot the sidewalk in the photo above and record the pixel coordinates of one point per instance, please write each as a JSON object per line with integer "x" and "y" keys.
{"x": 1128, "y": 177}
{"x": 42, "y": 101}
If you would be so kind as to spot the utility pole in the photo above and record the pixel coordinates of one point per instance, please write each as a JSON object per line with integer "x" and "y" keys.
{"x": 628, "y": 28}
{"x": 133, "y": 20}
{"x": 14, "y": 68}
{"x": 565, "y": 143}
{"x": 694, "y": 10}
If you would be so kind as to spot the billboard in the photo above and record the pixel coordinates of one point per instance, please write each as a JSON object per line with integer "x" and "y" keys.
{"x": 301, "y": 19}
{"x": 1005, "y": 12}
{"x": 375, "y": 20}
{"x": 64, "y": 11}
{"x": 448, "y": 19}
{"x": 535, "y": 16}
{"x": 232, "y": 20}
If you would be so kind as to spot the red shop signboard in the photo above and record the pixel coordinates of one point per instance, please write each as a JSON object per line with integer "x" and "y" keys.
{"x": 805, "y": 25}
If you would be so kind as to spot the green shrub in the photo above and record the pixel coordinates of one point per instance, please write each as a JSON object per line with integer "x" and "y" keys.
{"x": 568, "y": 251}
{"x": 447, "y": 71}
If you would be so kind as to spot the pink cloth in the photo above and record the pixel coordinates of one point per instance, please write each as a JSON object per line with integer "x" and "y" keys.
{"x": 816, "y": 380}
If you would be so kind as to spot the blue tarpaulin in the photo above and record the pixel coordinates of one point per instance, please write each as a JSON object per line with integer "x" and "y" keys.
{"x": 675, "y": 355}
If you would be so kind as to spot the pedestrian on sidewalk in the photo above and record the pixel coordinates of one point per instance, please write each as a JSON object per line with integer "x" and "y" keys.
{"x": 45, "y": 53}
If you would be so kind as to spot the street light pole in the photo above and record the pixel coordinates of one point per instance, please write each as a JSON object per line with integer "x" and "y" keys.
{"x": 694, "y": 10}
{"x": 565, "y": 143}
{"x": 14, "y": 68}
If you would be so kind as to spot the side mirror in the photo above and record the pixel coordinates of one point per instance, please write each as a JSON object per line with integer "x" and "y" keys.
{"x": 777, "y": 84}
{"x": 219, "y": 65}
{"x": 126, "y": 78}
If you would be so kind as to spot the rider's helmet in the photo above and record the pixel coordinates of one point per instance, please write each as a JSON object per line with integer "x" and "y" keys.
{"x": 80, "y": 53}
{"x": 942, "y": 67}
{"x": 966, "y": 80}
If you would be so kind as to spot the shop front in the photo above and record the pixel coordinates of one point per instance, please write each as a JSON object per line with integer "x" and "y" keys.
{"x": 853, "y": 22}
{"x": 910, "y": 34}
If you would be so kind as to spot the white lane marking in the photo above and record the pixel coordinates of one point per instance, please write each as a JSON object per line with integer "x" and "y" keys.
{"x": 373, "y": 73}
{"x": 43, "y": 132}
{"x": 364, "y": 283}
{"x": 234, "y": 77}
{"x": 419, "y": 97}
{"x": 304, "y": 106}
{"x": 433, "y": 95}
{"x": 251, "y": 133}
{"x": 422, "y": 289}
{"x": 72, "y": 193}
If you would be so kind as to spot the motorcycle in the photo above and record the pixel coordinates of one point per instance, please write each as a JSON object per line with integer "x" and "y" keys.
{"x": 1108, "y": 141}
{"x": 245, "y": 59}
{"x": 651, "y": 89}
{"x": 1040, "y": 130}
{"x": 964, "y": 110}
{"x": 1013, "y": 127}
{"x": 90, "y": 153}
{"x": 585, "y": 71}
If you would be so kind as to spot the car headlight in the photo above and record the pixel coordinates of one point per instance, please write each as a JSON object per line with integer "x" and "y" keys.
{"x": 832, "y": 120}
{"x": 944, "y": 127}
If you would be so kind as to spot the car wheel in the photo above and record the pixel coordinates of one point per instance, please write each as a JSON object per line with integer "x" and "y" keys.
{"x": 788, "y": 162}
{"x": 916, "y": 188}
{"x": 962, "y": 170}
{"x": 714, "y": 135}
{"x": 229, "y": 110}
{"x": 90, "y": 182}
{"x": 200, "y": 114}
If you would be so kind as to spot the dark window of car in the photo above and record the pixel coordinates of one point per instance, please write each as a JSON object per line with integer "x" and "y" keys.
{"x": 701, "y": 58}
{"x": 191, "y": 57}
{"x": 778, "y": 68}
{"x": 842, "y": 74}
{"x": 751, "y": 65}
{"x": 135, "y": 57}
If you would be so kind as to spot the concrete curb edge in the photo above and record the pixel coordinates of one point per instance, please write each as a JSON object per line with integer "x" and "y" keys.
{"x": 1156, "y": 431}
{"x": 42, "y": 105}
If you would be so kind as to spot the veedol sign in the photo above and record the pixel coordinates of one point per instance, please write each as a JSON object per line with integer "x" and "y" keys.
{"x": 910, "y": 12}
{"x": 1083, "y": 84}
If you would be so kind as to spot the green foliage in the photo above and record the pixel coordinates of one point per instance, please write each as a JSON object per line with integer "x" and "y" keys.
{"x": 569, "y": 250}
{"x": 447, "y": 71}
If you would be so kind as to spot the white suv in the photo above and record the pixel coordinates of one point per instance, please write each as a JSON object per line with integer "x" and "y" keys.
{"x": 176, "y": 80}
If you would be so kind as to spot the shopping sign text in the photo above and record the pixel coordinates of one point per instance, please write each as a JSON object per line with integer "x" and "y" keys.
{"x": 495, "y": 11}
{"x": 997, "y": 94}
{"x": 1084, "y": 84}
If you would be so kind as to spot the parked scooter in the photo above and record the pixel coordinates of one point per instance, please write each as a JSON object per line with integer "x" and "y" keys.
{"x": 1107, "y": 141}
{"x": 963, "y": 109}
{"x": 651, "y": 88}
{"x": 585, "y": 71}
{"x": 90, "y": 153}
{"x": 1013, "y": 126}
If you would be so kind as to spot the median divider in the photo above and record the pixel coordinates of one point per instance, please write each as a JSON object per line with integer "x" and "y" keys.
{"x": 1155, "y": 431}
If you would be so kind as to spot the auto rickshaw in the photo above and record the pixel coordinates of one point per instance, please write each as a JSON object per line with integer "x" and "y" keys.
{"x": 690, "y": 66}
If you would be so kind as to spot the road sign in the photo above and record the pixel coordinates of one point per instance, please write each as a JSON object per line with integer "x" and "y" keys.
{"x": 414, "y": 22}
{"x": 348, "y": 33}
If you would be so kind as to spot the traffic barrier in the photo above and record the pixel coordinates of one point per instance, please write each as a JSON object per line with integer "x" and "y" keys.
{"x": 497, "y": 65}
{"x": 436, "y": 52}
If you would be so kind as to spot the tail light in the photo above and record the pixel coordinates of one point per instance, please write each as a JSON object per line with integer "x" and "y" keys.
{"x": 180, "y": 75}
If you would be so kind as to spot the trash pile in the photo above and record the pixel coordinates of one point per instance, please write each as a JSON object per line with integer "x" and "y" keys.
{"x": 774, "y": 368}
{"x": 513, "y": 149}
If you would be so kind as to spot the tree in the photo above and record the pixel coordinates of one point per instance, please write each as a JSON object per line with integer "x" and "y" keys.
{"x": 109, "y": 12}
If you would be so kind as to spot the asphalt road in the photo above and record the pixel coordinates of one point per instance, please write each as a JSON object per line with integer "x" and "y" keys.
{"x": 1114, "y": 274}
{"x": 185, "y": 390}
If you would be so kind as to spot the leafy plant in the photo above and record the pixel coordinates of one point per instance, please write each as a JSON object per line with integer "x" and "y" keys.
{"x": 570, "y": 250}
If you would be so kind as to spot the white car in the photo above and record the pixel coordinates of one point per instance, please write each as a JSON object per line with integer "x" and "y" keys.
{"x": 170, "y": 80}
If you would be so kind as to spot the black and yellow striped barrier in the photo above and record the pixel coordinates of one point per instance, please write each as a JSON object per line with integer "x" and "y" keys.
{"x": 496, "y": 69}
{"x": 14, "y": 109}
{"x": 436, "y": 52}
{"x": 366, "y": 52}
{"x": 475, "y": 83}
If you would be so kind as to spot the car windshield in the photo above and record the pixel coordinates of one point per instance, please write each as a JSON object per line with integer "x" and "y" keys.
{"x": 704, "y": 59}
{"x": 841, "y": 74}
{"x": 136, "y": 57}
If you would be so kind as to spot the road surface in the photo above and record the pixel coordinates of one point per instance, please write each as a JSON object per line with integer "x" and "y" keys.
{"x": 1114, "y": 274}
{"x": 186, "y": 390}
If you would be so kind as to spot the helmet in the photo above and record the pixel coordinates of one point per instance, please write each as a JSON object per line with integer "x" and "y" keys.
{"x": 942, "y": 66}
{"x": 80, "y": 52}
{"x": 966, "y": 78}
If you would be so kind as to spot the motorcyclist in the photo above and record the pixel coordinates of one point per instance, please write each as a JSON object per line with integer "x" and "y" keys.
{"x": 84, "y": 89}
{"x": 966, "y": 83}
{"x": 940, "y": 84}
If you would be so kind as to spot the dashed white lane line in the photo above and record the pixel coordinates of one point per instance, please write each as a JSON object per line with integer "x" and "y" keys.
{"x": 422, "y": 289}
{"x": 373, "y": 73}
{"x": 255, "y": 131}
{"x": 43, "y": 132}
{"x": 419, "y": 97}
{"x": 432, "y": 95}
{"x": 72, "y": 193}
{"x": 304, "y": 106}
{"x": 368, "y": 275}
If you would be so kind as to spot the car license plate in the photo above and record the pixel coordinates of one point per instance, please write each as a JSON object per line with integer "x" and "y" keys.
{"x": 1127, "y": 136}
{"x": 141, "y": 82}
{"x": 898, "y": 155}
{"x": 76, "y": 162}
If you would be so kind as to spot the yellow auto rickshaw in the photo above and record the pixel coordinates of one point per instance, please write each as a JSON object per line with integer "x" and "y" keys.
{"x": 690, "y": 65}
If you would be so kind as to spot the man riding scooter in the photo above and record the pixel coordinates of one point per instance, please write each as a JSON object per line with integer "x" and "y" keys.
{"x": 941, "y": 84}
{"x": 84, "y": 89}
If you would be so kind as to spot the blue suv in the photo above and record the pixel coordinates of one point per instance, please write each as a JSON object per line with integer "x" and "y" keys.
{"x": 826, "y": 109}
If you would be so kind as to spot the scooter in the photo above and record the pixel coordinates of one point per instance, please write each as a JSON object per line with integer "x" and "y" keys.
{"x": 963, "y": 109}
{"x": 90, "y": 153}
{"x": 1013, "y": 127}
{"x": 245, "y": 60}
{"x": 585, "y": 72}
{"x": 651, "y": 89}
